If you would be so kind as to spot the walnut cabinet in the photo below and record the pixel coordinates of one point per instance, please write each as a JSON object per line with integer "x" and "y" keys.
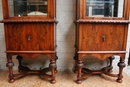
{"x": 30, "y": 27}
{"x": 101, "y": 32}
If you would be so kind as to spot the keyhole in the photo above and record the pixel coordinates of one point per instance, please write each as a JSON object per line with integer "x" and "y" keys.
{"x": 28, "y": 37}
{"x": 103, "y": 38}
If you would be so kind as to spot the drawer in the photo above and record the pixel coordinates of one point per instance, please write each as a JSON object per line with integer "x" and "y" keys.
{"x": 101, "y": 37}
{"x": 28, "y": 37}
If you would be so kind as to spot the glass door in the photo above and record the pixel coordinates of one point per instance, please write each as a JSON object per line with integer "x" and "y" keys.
{"x": 104, "y": 8}
{"x": 28, "y": 7}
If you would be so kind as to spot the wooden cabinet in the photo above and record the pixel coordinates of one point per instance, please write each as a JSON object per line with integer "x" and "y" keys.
{"x": 30, "y": 32}
{"x": 101, "y": 32}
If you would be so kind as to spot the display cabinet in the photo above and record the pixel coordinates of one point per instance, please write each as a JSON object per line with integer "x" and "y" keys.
{"x": 30, "y": 27}
{"x": 101, "y": 32}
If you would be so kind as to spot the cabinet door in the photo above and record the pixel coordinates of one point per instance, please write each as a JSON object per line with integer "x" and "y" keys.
{"x": 41, "y": 36}
{"x": 101, "y": 37}
{"x": 30, "y": 36}
{"x": 28, "y": 8}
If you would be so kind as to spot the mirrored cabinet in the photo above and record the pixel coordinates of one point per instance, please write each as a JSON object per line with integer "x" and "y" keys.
{"x": 101, "y": 33}
{"x": 29, "y": 7}
{"x": 30, "y": 27}
{"x": 104, "y": 8}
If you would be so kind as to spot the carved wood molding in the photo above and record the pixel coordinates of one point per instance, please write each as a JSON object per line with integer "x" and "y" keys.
{"x": 30, "y": 51}
{"x": 44, "y": 21}
{"x": 103, "y": 52}
{"x": 101, "y": 21}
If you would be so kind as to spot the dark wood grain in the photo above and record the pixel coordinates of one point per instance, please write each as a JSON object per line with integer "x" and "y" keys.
{"x": 101, "y": 38}
{"x": 30, "y": 37}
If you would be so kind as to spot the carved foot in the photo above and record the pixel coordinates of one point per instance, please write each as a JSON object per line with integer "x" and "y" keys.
{"x": 119, "y": 80}
{"x": 78, "y": 81}
{"x": 11, "y": 80}
{"x": 53, "y": 81}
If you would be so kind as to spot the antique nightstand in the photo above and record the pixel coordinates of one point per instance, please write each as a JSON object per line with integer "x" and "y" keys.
{"x": 30, "y": 32}
{"x": 101, "y": 32}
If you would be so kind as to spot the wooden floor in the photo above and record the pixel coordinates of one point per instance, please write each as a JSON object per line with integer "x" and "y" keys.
{"x": 64, "y": 79}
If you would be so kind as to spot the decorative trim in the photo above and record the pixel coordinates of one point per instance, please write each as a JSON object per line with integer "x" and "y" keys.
{"x": 101, "y": 21}
{"x": 101, "y": 52}
{"x": 30, "y": 52}
{"x": 37, "y": 20}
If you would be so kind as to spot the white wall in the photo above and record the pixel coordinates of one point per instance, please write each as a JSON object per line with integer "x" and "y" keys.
{"x": 2, "y": 42}
{"x": 65, "y": 40}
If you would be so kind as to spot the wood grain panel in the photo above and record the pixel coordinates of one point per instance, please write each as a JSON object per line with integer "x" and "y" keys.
{"x": 41, "y": 36}
{"x": 91, "y": 37}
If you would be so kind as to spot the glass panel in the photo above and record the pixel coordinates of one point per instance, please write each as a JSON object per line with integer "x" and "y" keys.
{"x": 28, "y": 7}
{"x": 104, "y": 8}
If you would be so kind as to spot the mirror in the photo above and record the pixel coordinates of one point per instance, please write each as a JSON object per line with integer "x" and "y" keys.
{"x": 28, "y": 7}
{"x": 104, "y": 8}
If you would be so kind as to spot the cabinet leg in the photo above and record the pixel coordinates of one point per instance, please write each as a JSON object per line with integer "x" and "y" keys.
{"x": 20, "y": 67}
{"x": 56, "y": 57}
{"x": 79, "y": 68}
{"x": 10, "y": 65}
{"x": 19, "y": 58}
{"x": 75, "y": 67}
{"x": 121, "y": 65}
{"x": 111, "y": 61}
{"x": 53, "y": 70}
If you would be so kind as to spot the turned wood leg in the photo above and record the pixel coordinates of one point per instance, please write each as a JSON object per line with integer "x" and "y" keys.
{"x": 111, "y": 61}
{"x": 20, "y": 67}
{"x": 53, "y": 67}
{"x": 121, "y": 65}
{"x": 10, "y": 65}
{"x": 79, "y": 68}
{"x": 19, "y": 58}
{"x": 56, "y": 57}
{"x": 75, "y": 67}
